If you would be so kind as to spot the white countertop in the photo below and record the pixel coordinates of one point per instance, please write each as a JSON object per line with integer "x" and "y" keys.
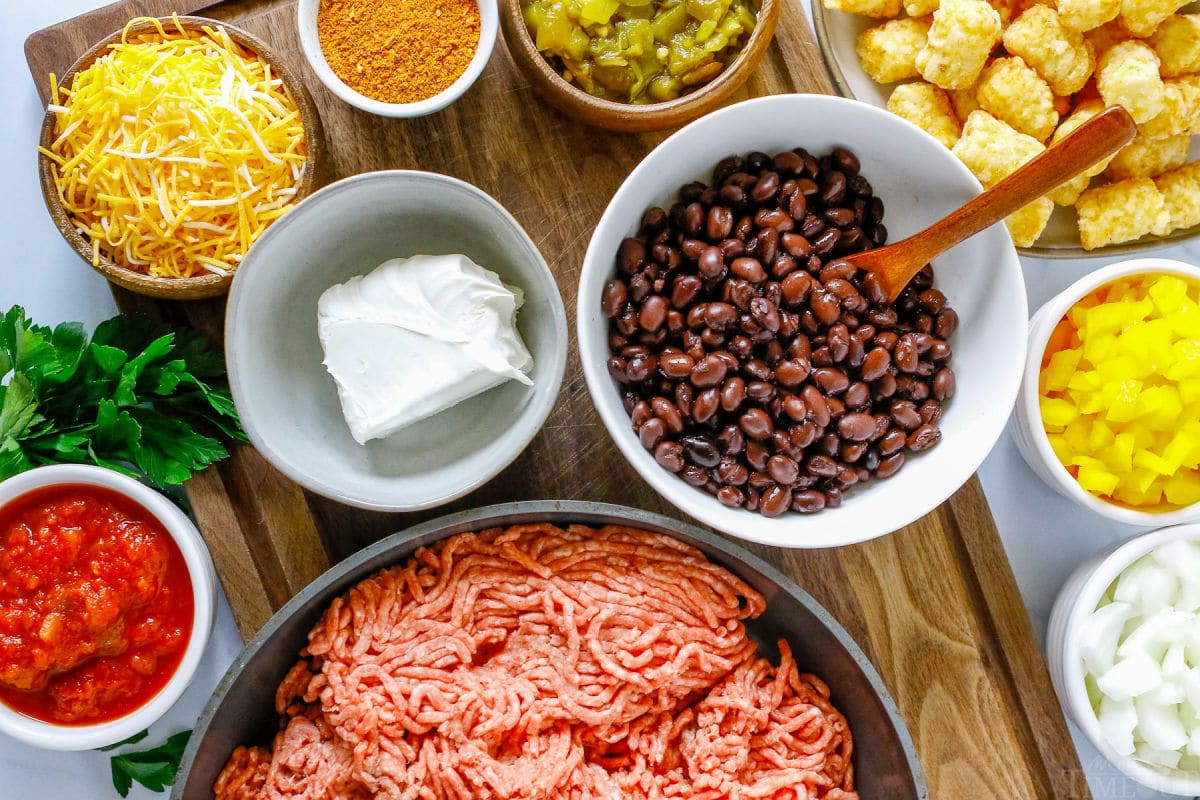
{"x": 1045, "y": 535}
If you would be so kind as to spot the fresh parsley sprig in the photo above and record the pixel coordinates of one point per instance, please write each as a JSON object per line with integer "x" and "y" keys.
{"x": 134, "y": 398}
{"x": 155, "y": 768}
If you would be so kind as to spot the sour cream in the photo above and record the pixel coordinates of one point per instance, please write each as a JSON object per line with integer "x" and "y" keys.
{"x": 416, "y": 336}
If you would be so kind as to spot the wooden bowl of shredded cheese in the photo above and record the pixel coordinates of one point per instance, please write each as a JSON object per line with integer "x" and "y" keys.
{"x": 169, "y": 147}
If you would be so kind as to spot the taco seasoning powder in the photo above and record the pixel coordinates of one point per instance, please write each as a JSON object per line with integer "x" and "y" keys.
{"x": 398, "y": 51}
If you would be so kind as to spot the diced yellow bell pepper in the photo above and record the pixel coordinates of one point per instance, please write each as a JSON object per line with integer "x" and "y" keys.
{"x": 1169, "y": 293}
{"x": 1185, "y": 360}
{"x": 1147, "y": 460}
{"x": 1060, "y": 447}
{"x": 1058, "y": 372}
{"x": 1097, "y": 480}
{"x": 1123, "y": 400}
{"x": 1159, "y": 407}
{"x": 1189, "y": 390}
{"x": 1057, "y": 413}
{"x": 1183, "y": 488}
{"x": 1123, "y": 367}
{"x": 1088, "y": 381}
{"x": 1097, "y": 348}
{"x": 1140, "y": 478}
{"x": 1076, "y": 435}
{"x": 1149, "y": 343}
{"x": 1186, "y": 321}
{"x": 1118, "y": 456}
{"x": 1099, "y": 437}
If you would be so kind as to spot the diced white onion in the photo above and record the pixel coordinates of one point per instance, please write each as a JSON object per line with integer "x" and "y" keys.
{"x": 1135, "y": 674}
{"x": 1141, "y": 648}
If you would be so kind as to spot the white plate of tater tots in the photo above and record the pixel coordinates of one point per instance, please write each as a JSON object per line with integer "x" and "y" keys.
{"x": 998, "y": 81}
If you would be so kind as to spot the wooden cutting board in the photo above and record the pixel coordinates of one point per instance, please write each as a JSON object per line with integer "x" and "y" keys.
{"x": 934, "y": 605}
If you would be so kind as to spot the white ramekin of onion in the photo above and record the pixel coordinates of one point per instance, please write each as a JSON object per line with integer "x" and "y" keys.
{"x": 1123, "y": 647}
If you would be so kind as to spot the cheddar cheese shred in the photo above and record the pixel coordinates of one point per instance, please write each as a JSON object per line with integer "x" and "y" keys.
{"x": 175, "y": 150}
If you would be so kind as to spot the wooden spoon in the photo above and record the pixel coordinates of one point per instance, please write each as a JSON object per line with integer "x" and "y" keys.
{"x": 1101, "y": 136}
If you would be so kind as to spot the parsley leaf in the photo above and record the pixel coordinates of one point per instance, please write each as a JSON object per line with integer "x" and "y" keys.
{"x": 139, "y": 397}
{"x": 155, "y": 768}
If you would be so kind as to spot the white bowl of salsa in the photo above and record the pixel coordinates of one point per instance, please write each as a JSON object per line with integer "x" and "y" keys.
{"x": 106, "y": 604}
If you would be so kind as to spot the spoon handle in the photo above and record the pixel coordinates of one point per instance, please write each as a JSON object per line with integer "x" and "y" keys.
{"x": 1093, "y": 141}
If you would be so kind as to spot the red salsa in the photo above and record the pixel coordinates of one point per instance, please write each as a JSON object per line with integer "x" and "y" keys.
{"x": 95, "y": 605}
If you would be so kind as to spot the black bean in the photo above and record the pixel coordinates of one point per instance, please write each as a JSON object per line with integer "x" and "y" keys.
{"x": 833, "y": 189}
{"x": 701, "y": 450}
{"x": 856, "y": 427}
{"x": 930, "y": 411}
{"x": 904, "y": 413}
{"x": 708, "y": 371}
{"x": 775, "y": 501}
{"x": 731, "y": 496}
{"x": 651, "y": 432}
{"x": 613, "y": 298}
{"x": 756, "y": 424}
{"x": 923, "y": 438}
{"x": 748, "y": 269}
{"x": 893, "y": 440}
{"x": 808, "y": 501}
{"x": 653, "y": 313}
{"x": 876, "y": 364}
{"x": 631, "y": 255}
{"x": 946, "y": 323}
{"x": 943, "y": 384}
{"x": 669, "y": 456}
{"x": 719, "y": 224}
{"x": 766, "y": 187}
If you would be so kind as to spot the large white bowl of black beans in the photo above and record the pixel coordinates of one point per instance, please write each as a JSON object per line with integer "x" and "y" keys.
{"x": 755, "y": 379}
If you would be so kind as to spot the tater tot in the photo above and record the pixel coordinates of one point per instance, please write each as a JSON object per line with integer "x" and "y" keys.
{"x": 1145, "y": 157}
{"x": 1121, "y": 212}
{"x": 888, "y": 52}
{"x": 991, "y": 149}
{"x": 1010, "y": 90}
{"x": 1027, "y": 224}
{"x": 1180, "y": 189}
{"x": 959, "y": 42}
{"x": 1083, "y": 15}
{"x": 1176, "y": 42}
{"x": 1141, "y": 17}
{"x": 964, "y": 101}
{"x": 883, "y": 9}
{"x": 920, "y": 8}
{"x": 1174, "y": 119}
{"x": 1189, "y": 87}
{"x": 1060, "y": 55}
{"x": 927, "y": 107}
{"x": 1128, "y": 76}
{"x": 1104, "y": 37}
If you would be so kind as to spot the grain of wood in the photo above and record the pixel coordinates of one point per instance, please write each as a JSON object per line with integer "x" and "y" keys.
{"x": 935, "y": 605}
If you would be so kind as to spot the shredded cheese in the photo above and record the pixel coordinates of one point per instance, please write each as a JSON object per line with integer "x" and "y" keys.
{"x": 175, "y": 150}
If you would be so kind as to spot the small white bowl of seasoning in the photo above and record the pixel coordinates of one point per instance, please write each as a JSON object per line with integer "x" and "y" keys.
{"x": 1123, "y": 649}
{"x": 98, "y": 543}
{"x": 398, "y": 58}
{"x": 1029, "y": 427}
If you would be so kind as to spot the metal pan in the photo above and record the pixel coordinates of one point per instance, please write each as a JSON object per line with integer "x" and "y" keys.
{"x": 241, "y": 709}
